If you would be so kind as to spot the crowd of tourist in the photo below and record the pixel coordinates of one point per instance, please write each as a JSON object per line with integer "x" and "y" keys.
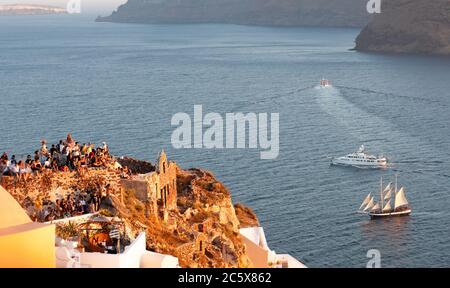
{"x": 67, "y": 155}
{"x": 72, "y": 205}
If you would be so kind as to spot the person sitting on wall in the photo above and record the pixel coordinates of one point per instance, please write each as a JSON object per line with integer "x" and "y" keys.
{"x": 29, "y": 160}
{"x": 83, "y": 161}
{"x": 12, "y": 169}
{"x": 48, "y": 163}
{"x": 54, "y": 165}
{"x": 98, "y": 160}
{"x": 36, "y": 166}
{"x": 4, "y": 157}
{"x": 24, "y": 170}
{"x": 3, "y": 167}
{"x": 4, "y": 163}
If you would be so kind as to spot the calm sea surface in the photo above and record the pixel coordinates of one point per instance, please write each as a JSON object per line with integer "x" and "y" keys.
{"x": 122, "y": 83}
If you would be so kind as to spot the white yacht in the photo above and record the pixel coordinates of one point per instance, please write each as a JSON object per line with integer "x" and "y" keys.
{"x": 361, "y": 159}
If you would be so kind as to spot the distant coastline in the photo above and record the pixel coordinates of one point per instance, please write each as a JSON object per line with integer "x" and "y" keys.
{"x": 282, "y": 13}
{"x": 29, "y": 9}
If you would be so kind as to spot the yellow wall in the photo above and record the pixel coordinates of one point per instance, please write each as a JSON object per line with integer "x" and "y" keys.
{"x": 11, "y": 213}
{"x": 23, "y": 244}
{"x": 30, "y": 245}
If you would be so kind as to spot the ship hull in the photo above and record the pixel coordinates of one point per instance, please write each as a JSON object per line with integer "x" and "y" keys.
{"x": 391, "y": 214}
{"x": 344, "y": 162}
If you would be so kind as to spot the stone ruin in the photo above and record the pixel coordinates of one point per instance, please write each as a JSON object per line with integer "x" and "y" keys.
{"x": 157, "y": 188}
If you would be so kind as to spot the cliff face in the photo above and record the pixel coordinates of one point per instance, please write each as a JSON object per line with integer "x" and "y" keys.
{"x": 408, "y": 26}
{"x": 339, "y": 13}
{"x": 203, "y": 230}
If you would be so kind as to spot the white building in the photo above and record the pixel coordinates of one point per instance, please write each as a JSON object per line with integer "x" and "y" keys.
{"x": 134, "y": 256}
{"x": 260, "y": 254}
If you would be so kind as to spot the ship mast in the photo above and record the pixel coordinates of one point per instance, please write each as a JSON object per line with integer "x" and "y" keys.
{"x": 396, "y": 176}
{"x": 395, "y": 191}
{"x": 381, "y": 194}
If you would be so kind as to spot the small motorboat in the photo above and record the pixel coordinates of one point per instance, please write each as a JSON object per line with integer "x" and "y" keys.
{"x": 325, "y": 83}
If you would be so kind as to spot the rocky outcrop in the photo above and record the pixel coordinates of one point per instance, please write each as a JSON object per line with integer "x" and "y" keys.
{"x": 342, "y": 13}
{"x": 27, "y": 9}
{"x": 408, "y": 26}
{"x": 201, "y": 231}
{"x": 247, "y": 218}
{"x": 136, "y": 166}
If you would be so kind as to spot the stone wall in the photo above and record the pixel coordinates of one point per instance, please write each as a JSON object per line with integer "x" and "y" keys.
{"x": 159, "y": 188}
{"x": 163, "y": 182}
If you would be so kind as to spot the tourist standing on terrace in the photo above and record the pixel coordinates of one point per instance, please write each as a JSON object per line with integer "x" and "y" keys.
{"x": 43, "y": 152}
{"x": 60, "y": 146}
{"x": 53, "y": 150}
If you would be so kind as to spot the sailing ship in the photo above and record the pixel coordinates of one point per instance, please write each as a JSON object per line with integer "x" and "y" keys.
{"x": 392, "y": 202}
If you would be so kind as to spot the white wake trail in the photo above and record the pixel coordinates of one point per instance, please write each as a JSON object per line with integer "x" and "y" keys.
{"x": 366, "y": 127}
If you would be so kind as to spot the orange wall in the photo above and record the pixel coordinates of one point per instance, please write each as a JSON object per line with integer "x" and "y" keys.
{"x": 257, "y": 255}
{"x": 30, "y": 245}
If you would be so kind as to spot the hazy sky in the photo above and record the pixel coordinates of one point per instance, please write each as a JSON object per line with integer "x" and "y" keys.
{"x": 87, "y": 6}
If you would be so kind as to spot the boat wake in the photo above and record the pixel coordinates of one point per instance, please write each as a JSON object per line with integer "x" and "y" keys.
{"x": 389, "y": 95}
{"x": 365, "y": 127}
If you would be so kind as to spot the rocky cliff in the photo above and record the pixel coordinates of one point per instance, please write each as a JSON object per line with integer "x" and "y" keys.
{"x": 408, "y": 26}
{"x": 342, "y": 13}
{"x": 205, "y": 216}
